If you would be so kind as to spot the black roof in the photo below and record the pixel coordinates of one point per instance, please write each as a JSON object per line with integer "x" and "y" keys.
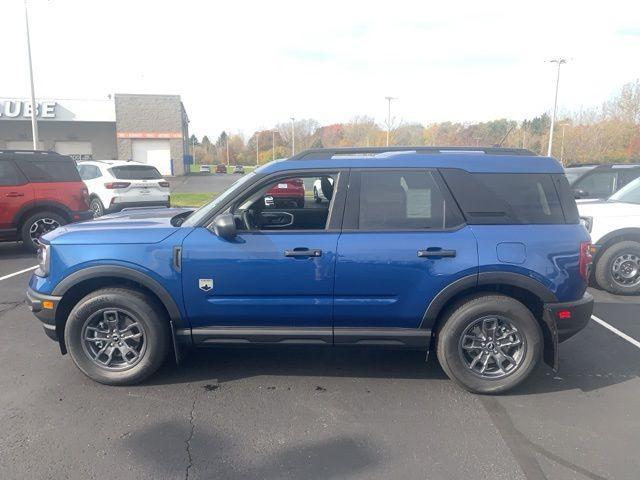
{"x": 40, "y": 154}
{"x": 603, "y": 165}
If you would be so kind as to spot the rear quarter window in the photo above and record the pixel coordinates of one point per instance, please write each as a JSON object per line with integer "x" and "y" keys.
{"x": 135, "y": 172}
{"x": 50, "y": 170}
{"x": 506, "y": 198}
{"x": 9, "y": 174}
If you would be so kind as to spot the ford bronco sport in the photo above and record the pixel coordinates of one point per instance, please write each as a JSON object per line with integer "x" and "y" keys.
{"x": 476, "y": 253}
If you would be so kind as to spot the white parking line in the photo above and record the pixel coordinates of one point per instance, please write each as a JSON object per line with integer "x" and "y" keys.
{"x": 623, "y": 335}
{"x": 18, "y": 273}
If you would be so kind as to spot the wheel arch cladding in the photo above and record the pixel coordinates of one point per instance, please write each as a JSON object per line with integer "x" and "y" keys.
{"x": 81, "y": 283}
{"x": 33, "y": 208}
{"x": 611, "y": 238}
{"x": 531, "y": 293}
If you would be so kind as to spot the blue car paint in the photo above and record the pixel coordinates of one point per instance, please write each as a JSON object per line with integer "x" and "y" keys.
{"x": 381, "y": 282}
{"x": 254, "y": 284}
{"x": 377, "y": 282}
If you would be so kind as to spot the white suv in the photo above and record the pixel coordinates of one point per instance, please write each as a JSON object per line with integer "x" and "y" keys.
{"x": 614, "y": 225}
{"x": 115, "y": 184}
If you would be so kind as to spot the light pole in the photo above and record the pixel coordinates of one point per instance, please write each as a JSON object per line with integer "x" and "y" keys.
{"x": 388, "y": 99}
{"x": 273, "y": 144}
{"x": 193, "y": 149}
{"x": 257, "y": 148}
{"x": 227, "y": 150}
{"x": 562, "y": 143}
{"x": 34, "y": 107}
{"x": 293, "y": 136}
{"x": 558, "y": 61}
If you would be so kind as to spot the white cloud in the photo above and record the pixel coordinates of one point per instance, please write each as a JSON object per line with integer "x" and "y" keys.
{"x": 248, "y": 64}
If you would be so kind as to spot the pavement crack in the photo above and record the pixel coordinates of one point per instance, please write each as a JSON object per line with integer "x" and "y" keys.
{"x": 6, "y": 307}
{"x": 190, "y": 437}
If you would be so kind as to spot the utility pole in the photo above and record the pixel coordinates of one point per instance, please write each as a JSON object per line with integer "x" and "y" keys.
{"x": 388, "y": 99}
{"x": 562, "y": 144}
{"x": 257, "y": 148}
{"x": 273, "y": 144}
{"x": 193, "y": 149}
{"x": 559, "y": 62}
{"x": 293, "y": 136}
{"x": 34, "y": 106}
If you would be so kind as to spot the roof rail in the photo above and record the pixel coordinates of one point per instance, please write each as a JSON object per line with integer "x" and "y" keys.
{"x": 44, "y": 152}
{"x": 325, "y": 153}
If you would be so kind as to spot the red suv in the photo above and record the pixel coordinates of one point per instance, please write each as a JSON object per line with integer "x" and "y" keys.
{"x": 39, "y": 191}
{"x": 287, "y": 193}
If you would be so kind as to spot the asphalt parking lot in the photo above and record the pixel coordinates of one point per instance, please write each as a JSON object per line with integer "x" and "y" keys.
{"x": 306, "y": 413}
{"x": 196, "y": 183}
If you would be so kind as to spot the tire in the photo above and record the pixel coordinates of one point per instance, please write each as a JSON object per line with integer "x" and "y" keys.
{"x": 467, "y": 313}
{"x": 316, "y": 197}
{"x": 151, "y": 347}
{"x": 45, "y": 222}
{"x": 625, "y": 254}
{"x": 97, "y": 207}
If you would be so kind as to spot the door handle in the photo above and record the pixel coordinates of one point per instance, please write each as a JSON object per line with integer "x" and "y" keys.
{"x": 14, "y": 194}
{"x": 436, "y": 252}
{"x": 303, "y": 252}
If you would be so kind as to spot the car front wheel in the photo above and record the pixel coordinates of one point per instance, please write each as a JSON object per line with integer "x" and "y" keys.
{"x": 37, "y": 225}
{"x": 117, "y": 336}
{"x": 618, "y": 268}
{"x": 489, "y": 343}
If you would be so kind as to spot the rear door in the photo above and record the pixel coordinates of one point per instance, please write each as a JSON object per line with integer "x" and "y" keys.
{"x": 403, "y": 241}
{"x": 14, "y": 193}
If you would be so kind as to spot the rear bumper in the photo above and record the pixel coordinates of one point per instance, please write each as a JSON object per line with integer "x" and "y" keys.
{"x": 564, "y": 320}
{"x": 116, "y": 207}
{"x": 35, "y": 302}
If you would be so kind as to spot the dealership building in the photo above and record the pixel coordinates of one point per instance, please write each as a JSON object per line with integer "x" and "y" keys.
{"x": 150, "y": 129}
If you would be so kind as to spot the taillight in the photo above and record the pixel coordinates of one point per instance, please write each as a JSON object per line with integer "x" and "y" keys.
{"x": 85, "y": 195}
{"x": 163, "y": 184}
{"x": 585, "y": 259}
{"x": 113, "y": 185}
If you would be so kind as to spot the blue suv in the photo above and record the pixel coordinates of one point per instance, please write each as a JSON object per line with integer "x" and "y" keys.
{"x": 476, "y": 253}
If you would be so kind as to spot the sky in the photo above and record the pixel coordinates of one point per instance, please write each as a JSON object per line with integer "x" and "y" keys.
{"x": 246, "y": 65}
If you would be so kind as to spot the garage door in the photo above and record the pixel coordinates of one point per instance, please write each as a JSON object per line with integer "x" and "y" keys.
{"x": 23, "y": 145}
{"x": 76, "y": 150}
{"x": 153, "y": 152}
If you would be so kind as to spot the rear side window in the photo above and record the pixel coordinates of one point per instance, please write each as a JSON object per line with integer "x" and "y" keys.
{"x": 88, "y": 172}
{"x": 505, "y": 198}
{"x": 627, "y": 175}
{"x": 402, "y": 200}
{"x": 9, "y": 174}
{"x": 53, "y": 170}
{"x": 599, "y": 184}
{"x": 135, "y": 172}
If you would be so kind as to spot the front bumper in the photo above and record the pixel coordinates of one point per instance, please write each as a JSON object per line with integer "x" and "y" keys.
{"x": 564, "y": 320}
{"x": 44, "y": 308}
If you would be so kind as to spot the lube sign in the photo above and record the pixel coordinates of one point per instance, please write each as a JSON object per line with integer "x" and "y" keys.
{"x": 22, "y": 109}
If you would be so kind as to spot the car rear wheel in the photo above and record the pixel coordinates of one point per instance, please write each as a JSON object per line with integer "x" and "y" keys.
{"x": 37, "y": 225}
{"x": 96, "y": 207}
{"x": 618, "y": 268}
{"x": 117, "y": 336}
{"x": 489, "y": 343}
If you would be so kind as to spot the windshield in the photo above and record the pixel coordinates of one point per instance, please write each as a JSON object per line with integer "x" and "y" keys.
{"x": 630, "y": 193}
{"x": 204, "y": 210}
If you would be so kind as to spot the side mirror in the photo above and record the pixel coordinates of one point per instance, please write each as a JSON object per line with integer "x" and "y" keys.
{"x": 577, "y": 193}
{"x": 224, "y": 226}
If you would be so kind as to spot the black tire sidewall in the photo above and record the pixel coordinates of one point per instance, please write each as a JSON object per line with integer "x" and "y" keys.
{"x": 26, "y": 226}
{"x": 98, "y": 202}
{"x": 462, "y": 315}
{"x": 603, "y": 275}
{"x": 156, "y": 335}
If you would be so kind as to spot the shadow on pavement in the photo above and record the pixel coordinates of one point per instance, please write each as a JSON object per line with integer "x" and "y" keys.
{"x": 337, "y": 457}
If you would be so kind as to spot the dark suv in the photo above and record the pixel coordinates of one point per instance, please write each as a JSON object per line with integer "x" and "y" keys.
{"x": 39, "y": 191}
{"x": 477, "y": 254}
{"x": 600, "y": 180}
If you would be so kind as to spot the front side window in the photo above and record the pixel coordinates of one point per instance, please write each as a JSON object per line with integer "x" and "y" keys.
{"x": 400, "y": 200}
{"x": 598, "y": 184}
{"x": 290, "y": 203}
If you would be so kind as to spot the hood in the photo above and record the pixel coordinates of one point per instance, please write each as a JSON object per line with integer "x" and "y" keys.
{"x": 601, "y": 208}
{"x": 142, "y": 225}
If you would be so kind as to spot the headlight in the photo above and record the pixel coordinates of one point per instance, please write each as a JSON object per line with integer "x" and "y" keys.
{"x": 587, "y": 222}
{"x": 44, "y": 259}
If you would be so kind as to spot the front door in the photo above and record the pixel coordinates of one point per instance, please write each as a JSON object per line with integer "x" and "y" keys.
{"x": 276, "y": 275}
{"x": 403, "y": 242}
{"x": 15, "y": 193}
